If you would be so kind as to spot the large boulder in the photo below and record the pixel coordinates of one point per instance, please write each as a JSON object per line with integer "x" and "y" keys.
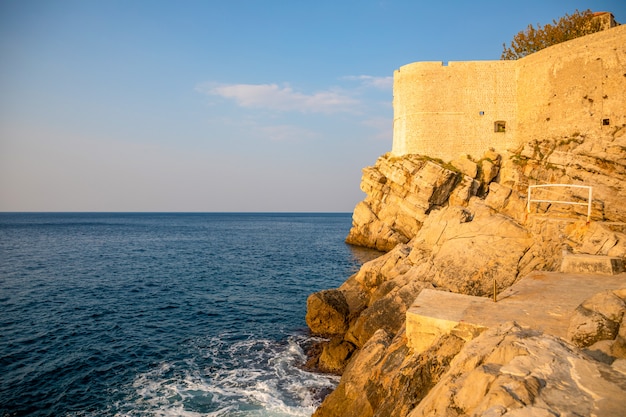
{"x": 512, "y": 371}
{"x": 327, "y": 312}
{"x": 598, "y": 318}
{"x": 335, "y": 355}
{"x": 473, "y": 247}
{"x": 387, "y": 312}
{"x": 400, "y": 192}
{"x": 387, "y": 379}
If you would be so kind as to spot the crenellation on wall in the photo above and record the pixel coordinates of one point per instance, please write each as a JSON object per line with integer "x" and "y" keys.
{"x": 444, "y": 111}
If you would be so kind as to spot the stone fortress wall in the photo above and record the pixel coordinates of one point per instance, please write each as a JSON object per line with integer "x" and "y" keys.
{"x": 576, "y": 87}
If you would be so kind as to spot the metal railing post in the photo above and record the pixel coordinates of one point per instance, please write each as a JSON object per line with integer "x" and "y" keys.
{"x": 589, "y": 206}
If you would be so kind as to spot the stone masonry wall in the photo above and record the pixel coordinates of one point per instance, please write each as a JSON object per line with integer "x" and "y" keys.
{"x": 444, "y": 111}
{"x": 572, "y": 87}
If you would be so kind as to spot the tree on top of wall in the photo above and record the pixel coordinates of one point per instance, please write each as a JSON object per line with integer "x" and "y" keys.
{"x": 567, "y": 27}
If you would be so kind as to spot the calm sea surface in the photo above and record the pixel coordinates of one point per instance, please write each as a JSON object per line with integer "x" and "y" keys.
{"x": 164, "y": 314}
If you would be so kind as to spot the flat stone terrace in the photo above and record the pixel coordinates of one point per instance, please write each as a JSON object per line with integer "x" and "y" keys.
{"x": 542, "y": 300}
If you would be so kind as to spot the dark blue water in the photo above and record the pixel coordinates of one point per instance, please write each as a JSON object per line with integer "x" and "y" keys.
{"x": 163, "y": 314}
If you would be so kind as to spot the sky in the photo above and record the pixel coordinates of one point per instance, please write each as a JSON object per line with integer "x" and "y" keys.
{"x": 220, "y": 105}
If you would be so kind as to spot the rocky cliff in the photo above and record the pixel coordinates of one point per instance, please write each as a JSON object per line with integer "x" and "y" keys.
{"x": 464, "y": 227}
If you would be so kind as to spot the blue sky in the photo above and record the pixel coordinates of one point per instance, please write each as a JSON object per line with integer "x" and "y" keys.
{"x": 220, "y": 105}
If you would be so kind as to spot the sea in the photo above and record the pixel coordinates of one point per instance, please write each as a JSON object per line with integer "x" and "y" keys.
{"x": 165, "y": 314}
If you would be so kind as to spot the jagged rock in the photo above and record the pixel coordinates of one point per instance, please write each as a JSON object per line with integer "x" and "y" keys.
{"x": 598, "y": 318}
{"x": 608, "y": 304}
{"x": 588, "y": 327}
{"x": 400, "y": 194}
{"x": 386, "y": 312}
{"x": 490, "y": 168}
{"x": 470, "y": 255}
{"x": 464, "y": 164}
{"x": 599, "y": 161}
{"x": 386, "y": 379}
{"x": 601, "y": 351}
{"x": 327, "y": 312}
{"x": 447, "y": 226}
{"x": 347, "y": 399}
{"x": 466, "y": 189}
{"x": 507, "y": 201}
{"x": 369, "y": 231}
{"x": 335, "y": 355}
{"x": 596, "y": 239}
{"x": 511, "y": 371}
{"x": 618, "y": 348}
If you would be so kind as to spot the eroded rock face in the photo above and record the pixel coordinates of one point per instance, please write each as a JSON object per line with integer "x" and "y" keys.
{"x": 327, "y": 312}
{"x": 462, "y": 227}
{"x": 400, "y": 194}
{"x": 403, "y": 191}
{"x": 506, "y": 371}
{"x": 596, "y": 161}
{"x": 387, "y": 379}
{"x": 511, "y": 371}
{"x": 600, "y": 319}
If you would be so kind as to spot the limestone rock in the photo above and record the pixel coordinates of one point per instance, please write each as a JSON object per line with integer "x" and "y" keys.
{"x": 464, "y": 164}
{"x": 327, "y": 312}
{"x": 466, "y": 189}
{"x": 490, "y": 169}
{"x": 608, "y": 304}
{"x": 470, "y": 255}
{"x": 597, "y": 239}
{"x": 386, "y": 379}
{"x": 511, "y": 371}
{"x": 588, "y": 327}
{"x": 335, "y": 355}
{"x": 507, "y": 201}
{"x": 598, "y": 161}
{"x": 369, "y": 231}
{"x": 598, "y": 318}
{"x": 400, "y": 194}
{"x": 460, "y": 227}
{"x": 347, "y": 399}
{"x": 618, "y": 348}
{"x": 387, "y": 312}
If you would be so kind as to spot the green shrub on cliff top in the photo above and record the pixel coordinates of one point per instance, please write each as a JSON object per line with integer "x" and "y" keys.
{"x": 566, "y": 28}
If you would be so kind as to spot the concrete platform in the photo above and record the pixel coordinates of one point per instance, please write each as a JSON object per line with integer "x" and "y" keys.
{"x": 541, "y": 300}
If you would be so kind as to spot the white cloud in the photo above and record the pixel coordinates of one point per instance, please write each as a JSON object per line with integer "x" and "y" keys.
{"x": 383, "y": 83}
{"x": 274, "y": 97}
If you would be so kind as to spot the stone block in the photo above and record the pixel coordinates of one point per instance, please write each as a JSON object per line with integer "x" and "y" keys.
{"x": 435, "y": 313}
{"x": 591, "y": 264}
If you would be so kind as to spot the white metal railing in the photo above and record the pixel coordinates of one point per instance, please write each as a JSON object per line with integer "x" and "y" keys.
{"x": 588, "y": 203}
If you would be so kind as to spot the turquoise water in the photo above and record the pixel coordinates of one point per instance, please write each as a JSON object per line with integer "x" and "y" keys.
{"x": 164, "y": 314}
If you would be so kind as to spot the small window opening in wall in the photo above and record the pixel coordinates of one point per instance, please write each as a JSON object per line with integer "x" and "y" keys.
{"x": 444, "y": 64}
{"x": 482, "y": 113}
{"x": 606, "y": 122}
{"x": 499, "y": 126}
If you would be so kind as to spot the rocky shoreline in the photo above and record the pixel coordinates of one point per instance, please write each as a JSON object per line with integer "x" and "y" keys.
{"x": 463, "y": 227}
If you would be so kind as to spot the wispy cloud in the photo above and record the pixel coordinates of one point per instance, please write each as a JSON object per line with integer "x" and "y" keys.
{"x": 275, "y": 97}
{"x": 382, "y": 83}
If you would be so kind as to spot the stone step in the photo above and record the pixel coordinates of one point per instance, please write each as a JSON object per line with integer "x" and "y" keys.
{"x": 544, "y": 301}
{"x": 591, "y": 264}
